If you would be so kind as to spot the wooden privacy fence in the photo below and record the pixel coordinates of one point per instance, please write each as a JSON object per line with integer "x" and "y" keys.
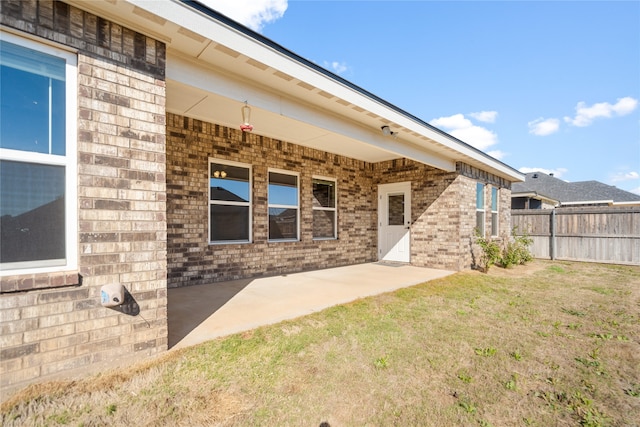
{"x": 610, "y": 235}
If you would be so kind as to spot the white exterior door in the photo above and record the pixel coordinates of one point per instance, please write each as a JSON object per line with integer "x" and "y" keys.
{"x": 394, "y": 222}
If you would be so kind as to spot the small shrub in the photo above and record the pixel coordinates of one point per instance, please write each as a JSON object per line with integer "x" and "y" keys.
{"x": 515, "y": 249}
{"x": 490, "y": 251}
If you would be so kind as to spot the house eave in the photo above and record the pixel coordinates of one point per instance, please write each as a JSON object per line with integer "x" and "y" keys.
{"x": 212, "y": 40}
{"x": 535, "y": 195}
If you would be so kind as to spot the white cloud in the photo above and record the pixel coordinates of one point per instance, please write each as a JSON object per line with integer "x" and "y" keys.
{"x": 497, "y": 154}
{"x": 543, "y": 127}
{"x": 463, "y": 129}
{"x": 585, "y": 114}
{"x": 336, "y": 67}
{"x": 628, "y": 176}
{"x": 457, "y": 121}
{"x": 252, "y": 13}
{"x": 557, "y": 173}
{"x": 485, "y": 116}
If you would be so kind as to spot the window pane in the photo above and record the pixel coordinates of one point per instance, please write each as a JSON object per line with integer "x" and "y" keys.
{"x": 283, "y": 189}
{"x": 494, "y": 199}
{"x": 32, "y": 212}
{"x": 324, "y": 224}
{"x": 229, "y": 183}
{"x": 494, "y": 224}
{"x": 396, "y": 209}
{"x": 32, "y": 101}
{"x": 229, "y": 223}
{"x": 480, "y": 222}
{"x": 479, "y": 196}
{"x": 324, "y": 193}
{"x": 283, "y": 223}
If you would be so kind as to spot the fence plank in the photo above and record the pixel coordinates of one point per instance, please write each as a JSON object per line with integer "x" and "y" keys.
{"x": 610, "y": 235}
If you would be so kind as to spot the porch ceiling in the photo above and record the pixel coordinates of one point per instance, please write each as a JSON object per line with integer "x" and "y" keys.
{"x": 214, "y": 65}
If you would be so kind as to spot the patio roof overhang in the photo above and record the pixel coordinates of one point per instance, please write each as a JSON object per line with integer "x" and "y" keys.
{"x": 214, "y": 65}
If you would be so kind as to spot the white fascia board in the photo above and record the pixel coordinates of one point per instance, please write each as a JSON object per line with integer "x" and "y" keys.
{"x": 185, "y": 70}
{"x": 535, "y": 195}
{"x": 588, "y": 202}
{"x": 636, "y": 203}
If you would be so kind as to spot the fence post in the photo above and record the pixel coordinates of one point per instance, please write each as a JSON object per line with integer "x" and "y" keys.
{"x": 552, "y": 240}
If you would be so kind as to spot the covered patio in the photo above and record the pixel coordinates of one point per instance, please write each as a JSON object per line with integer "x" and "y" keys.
{"x": 200, "y": 313}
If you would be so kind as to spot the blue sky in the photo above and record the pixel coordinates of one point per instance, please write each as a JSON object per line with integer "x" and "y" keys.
{"x": 551, "y": 86}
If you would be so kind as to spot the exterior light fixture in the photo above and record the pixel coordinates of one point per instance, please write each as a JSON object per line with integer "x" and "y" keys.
{"x": 219, "y": 174}
{"x": 386, "y": 131}
{"x": 246, "y": 118}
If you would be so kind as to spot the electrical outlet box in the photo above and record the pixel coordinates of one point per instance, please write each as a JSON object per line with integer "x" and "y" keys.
{"x": 112, "y": 295}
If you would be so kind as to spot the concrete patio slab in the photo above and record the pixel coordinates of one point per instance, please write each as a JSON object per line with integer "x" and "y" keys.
{"x": 201, "y": 313}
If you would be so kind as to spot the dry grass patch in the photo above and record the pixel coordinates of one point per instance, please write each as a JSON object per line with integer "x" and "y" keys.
{"x": 550, "y": 343}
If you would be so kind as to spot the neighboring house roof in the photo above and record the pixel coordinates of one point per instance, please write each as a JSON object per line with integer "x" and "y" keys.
{"x": 539, "y": 185}
{"x": 215, "y": 64}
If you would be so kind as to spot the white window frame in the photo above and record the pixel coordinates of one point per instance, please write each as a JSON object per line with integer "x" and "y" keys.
{"x": 229, "y": 203}
{"x": 479, "y": 210}
{"x": 495, "y": 218}
{"x": 297, "y": 207}
{"x": 68, "y": 161}
{"x": 334, "y": 208}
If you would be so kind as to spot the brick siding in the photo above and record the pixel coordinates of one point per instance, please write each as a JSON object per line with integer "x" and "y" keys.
{"x": 192, "y": 260}
{"x": 443, "y": 207}
{"x": 122, "y": 207}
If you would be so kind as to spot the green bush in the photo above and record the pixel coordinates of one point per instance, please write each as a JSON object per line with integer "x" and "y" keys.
{"x": 490, "y": 252}
{"x": 515, "y": 250}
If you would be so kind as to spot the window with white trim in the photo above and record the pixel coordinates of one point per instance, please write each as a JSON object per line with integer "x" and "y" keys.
{"x": 480, "y": 208}
{"x": 494, "y": 211}
{"x": 38, "y": 166}
{"x": 284, "y": 205}
{"x": 229, "y": 202}
{"x": 324, "y": 208}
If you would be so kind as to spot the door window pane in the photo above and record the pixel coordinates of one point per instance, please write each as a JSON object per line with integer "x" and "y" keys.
{"x": 396, "y": 209}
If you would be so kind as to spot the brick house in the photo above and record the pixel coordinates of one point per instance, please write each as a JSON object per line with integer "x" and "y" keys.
{"x": 132, "y": 169}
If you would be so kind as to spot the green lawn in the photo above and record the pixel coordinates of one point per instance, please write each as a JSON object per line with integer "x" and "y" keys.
{"x": 546, "y": 344}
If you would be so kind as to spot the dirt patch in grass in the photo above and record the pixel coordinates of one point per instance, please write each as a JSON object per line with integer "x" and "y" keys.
{"x": 549, "y": 343}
